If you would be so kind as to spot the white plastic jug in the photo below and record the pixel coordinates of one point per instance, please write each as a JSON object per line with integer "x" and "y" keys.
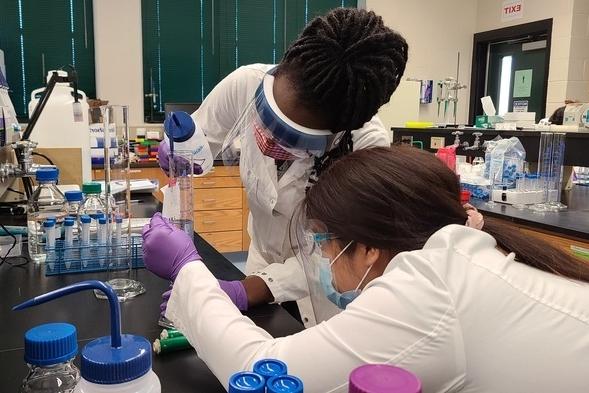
{"x": 56, "y": 126}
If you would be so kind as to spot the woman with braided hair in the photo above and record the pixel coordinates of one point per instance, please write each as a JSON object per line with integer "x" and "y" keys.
{"x": 284, "y": 124}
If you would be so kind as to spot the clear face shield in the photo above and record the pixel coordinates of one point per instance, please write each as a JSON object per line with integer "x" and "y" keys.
{"x": 309, "y": 236}
{"x": 275, "y": 134}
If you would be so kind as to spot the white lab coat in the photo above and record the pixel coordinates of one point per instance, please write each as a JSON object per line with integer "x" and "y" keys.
{"x": 459, "y": 313}
{"x": 271, "y": 201}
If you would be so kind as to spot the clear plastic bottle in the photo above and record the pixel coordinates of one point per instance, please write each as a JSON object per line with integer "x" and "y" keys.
{"x": 92, "y": 205}
{"x": 50, "y": 350}
{"x": 47, "y": 201}
{"x": 118, "y": 363}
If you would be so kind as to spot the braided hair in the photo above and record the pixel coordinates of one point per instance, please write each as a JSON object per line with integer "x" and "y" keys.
{"x": 345, "y": 65}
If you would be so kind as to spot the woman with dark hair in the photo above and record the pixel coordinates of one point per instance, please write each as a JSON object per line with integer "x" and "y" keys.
{"x": 467, "y": 304}
{"x": 283, "y": 124}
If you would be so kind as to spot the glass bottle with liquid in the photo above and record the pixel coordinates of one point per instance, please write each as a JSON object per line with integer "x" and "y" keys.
{"x": 47, "y": 201}
{"x": 74, "y": 201}
{"x": 50, "y": 350}
{"x": 93, "y": 206}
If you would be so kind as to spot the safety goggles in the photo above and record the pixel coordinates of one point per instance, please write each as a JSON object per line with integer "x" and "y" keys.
{"x": 316, "y": 240}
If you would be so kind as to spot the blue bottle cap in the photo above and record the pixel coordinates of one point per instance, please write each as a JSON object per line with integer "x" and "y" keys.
{"x": 74, "y": 196}
{"x": 179, "y": 126}
{"x": 102, "y": 220}
{"x": 85, "y": 219}
{"x": 105, "y": 365}
{"x": 284, "y": 384}
{"x": 46, "y": 174}
{"x": 48, "y": 224}
{"x": 108, "y": 360}
{"x": 246, "y": 381}
{"x": 270, "y": 368}
{"x": 69, "y": 222}
{"x": 51, "y": 343}
{"x": 51, "y": 218}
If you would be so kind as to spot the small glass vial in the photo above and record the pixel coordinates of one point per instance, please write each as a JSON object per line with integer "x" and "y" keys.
{"x": 269, "y": 368}
{"x": 50, "y": 350}
{"x": 247, "y": 381}
{"x": 382, "y": 378}
{"x": 284, "y": 384}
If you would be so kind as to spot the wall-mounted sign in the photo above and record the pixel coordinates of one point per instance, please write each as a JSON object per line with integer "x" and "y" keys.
{"x": 512, "y": 9}
{"x": 520, "y": 106}
{"x": 522, "y": 83}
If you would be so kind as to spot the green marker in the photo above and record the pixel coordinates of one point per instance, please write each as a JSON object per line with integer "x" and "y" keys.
{"x": 170, "y": 333}
{"x": 170, "y": 345}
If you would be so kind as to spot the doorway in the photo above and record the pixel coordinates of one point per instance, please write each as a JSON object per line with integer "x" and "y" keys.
{"x": 511, "y": 66}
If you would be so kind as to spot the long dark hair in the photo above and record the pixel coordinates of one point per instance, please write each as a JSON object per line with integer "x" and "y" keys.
{"x": 395, "y": 198}
{"x": 345, "y": 65}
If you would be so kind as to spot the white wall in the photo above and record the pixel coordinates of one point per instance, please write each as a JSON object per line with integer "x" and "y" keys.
{"x": 435, "y": 30}
{"x": 118, "y": 54}
{"x": 434, "y": 40}
{"x": 578, "y": 75}
{"x": 561, "y": 11}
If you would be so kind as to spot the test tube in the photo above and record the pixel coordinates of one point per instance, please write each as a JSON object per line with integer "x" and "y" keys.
{"x": 554, "y": 191}
{"x": 49, "y": 227}
{"x": 117, "y": 242}
{"x": 68, "y": 227}
{"x": 102, "y": 240}
{"x": 520, "y": 182}
{"x": 544, "y": 170}
{"x": 85, "y": 221}
{"x": 118, "y": 229}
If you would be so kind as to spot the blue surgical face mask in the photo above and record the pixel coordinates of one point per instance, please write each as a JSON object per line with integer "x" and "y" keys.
{"x": 341, "y": 300}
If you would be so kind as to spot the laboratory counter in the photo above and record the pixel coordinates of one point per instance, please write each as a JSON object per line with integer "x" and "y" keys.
{"x": 178, "y": 372}
{"x": 134, "y": 165}
{"x": 577, "y": 143}
{"x": 565, "y": 228}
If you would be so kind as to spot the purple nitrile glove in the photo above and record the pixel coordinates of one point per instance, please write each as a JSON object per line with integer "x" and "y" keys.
{"x": 162, "y": 155}
{"x": 236, "y": 292}
{"x": 166, "y": 248}
{"x": 165, "y": 297}
{"x": 234, "y": 289}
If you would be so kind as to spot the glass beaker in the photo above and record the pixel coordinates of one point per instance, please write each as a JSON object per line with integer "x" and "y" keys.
{"x": 121, "y": 247}
{"x": 179, "y": 207}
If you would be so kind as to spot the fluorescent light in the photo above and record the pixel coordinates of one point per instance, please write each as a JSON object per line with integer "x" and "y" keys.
{"x": 504, "y": 85}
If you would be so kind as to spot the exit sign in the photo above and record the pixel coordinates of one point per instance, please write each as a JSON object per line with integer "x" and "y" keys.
{"x": 512, "y": 9}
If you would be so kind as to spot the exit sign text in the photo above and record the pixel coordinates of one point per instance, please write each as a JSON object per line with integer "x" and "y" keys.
{"x": 512, "y": 10}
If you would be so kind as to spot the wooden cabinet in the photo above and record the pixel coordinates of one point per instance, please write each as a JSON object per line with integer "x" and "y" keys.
{"x": 218, "y": 209}
{"x": 556, "y": 240}
{"x": 217, "y": 198}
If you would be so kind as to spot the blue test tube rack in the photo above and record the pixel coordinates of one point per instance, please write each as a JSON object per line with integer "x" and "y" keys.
{"x": 94, "y": 257}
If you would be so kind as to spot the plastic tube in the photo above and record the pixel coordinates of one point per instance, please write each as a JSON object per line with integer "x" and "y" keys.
{"x": 68, "y": 227}
{"x": 49, "y": 227}
{"x": 170, "y": 333}
{"x": 170, "y": 345}
{"x": 102, "y": 240}
{"x": 85, "y": 221}
{"x": 118, "y": 229}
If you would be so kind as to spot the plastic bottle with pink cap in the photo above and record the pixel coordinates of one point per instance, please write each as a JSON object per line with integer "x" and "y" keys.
{"x": 381, "y": 378}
